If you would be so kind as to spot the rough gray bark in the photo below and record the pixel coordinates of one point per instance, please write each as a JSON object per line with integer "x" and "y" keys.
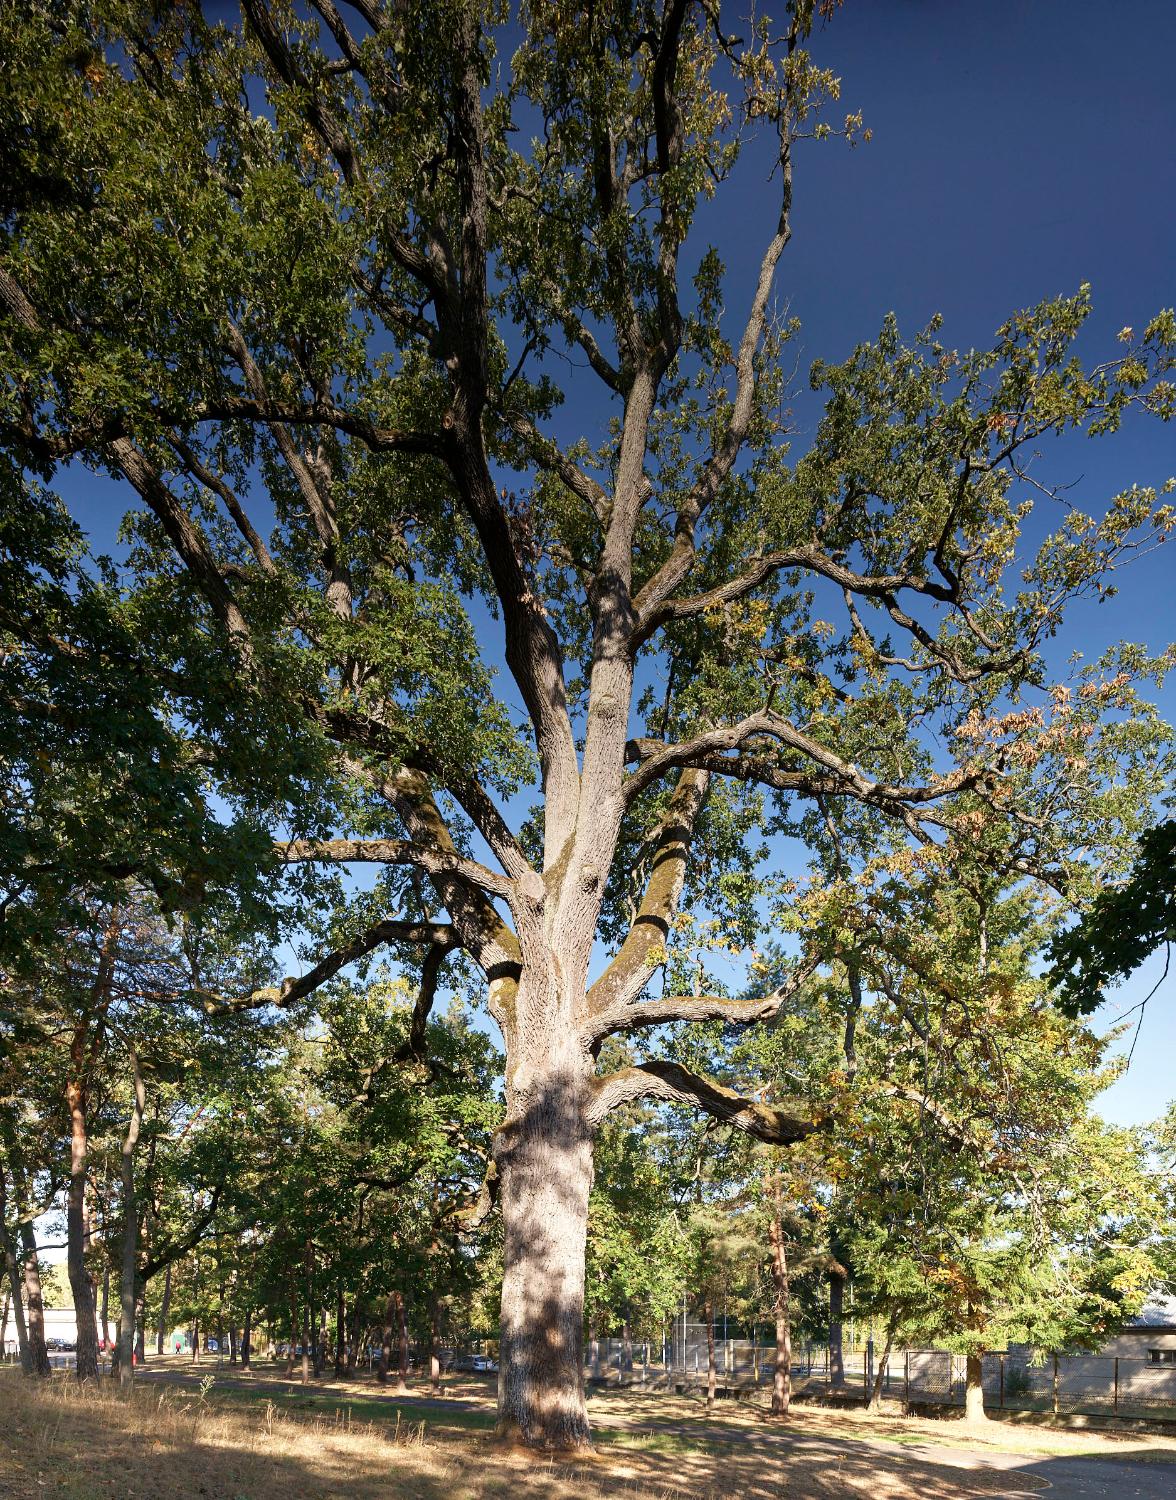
{"x": 544, "y": 1161}
{"x": 247, "y": 1339}
{"x": 974, "y": 1390}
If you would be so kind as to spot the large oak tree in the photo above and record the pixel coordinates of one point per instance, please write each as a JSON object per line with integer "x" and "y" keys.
{"x": 314, "y": 284}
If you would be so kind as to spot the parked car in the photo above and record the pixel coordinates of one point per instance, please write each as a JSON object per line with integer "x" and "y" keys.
{"x": 482, "y": 1364}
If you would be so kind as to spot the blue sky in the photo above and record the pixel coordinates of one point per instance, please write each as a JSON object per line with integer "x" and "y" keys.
{"x": 1019, "y": 148}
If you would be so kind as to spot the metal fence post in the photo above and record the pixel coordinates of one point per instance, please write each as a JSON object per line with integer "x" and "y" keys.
{"x": 1055, "y": 1385}
{"x": 1116, "y": 1408}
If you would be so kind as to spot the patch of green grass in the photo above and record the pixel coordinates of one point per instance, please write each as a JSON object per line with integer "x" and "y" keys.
{"x": 652, "y": 1441}
{"x": 387, "y": 1412}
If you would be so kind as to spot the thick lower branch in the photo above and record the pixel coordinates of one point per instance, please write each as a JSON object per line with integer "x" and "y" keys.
{"x": 627, "y": 1017}
{"x": 780, "y": 1124}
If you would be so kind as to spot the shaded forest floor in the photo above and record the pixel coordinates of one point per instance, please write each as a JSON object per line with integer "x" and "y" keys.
{"x": 242, "y": 1440}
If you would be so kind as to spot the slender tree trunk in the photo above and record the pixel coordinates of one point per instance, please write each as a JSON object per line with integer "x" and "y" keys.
{"x": 195, "y": 1340}
{"x": 34, "y": 1302}
{"x": 544, "y": 1163}
{"x": 130, "y": 1244}
{"x": 386, "y": 1342}
{"x": 353, "y": 1330}
{"x": 79, "y": 1280}
{"x": 626, "y": 1348}
{"x": 141, "y": 1327}
{"x": 104, "y": 1309}
{"x": 402, "y": 1319}
{"x": 880, "y": 1372}
{"x": 708, "y": 1312}
{"x": 247, "y": 1339}
{"x": 232, "y": 1343}
{"x": 434, "y": 1344}
{"x": 22, "y": 1339}
{"x": 164, "y": 1308}
{"x": 340, "y": 1333}
{"x": 836, "y": 1302}
{"x": 4, "y": 1320}
{"x": 782, "y": 1369}
{"x": 974, "y": 1390}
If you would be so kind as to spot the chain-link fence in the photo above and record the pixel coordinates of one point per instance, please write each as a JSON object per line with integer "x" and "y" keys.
{"x": 1090, "y": 1384}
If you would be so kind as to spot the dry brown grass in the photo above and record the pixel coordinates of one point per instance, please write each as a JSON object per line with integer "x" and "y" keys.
{"x": 165, "y": 1443}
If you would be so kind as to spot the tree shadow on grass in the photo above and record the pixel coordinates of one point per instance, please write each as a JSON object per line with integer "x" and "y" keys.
{"x": 163, "y": 1445}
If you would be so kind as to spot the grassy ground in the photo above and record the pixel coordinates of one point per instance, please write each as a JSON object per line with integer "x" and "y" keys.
{"x": 242, "y": 1440}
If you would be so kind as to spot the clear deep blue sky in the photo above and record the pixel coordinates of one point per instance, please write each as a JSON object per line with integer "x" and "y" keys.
{"x": 1020, "y": 147}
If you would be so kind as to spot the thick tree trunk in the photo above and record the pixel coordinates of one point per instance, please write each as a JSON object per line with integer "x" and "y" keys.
{"x": 782, "y": 1370}
{"x": 974, "y": 1390}
{"x": 164, "y": 1308}
{"x": 79, "y": 1280}
{"x": 544, "y": 1162}
{"x": 247, "y": 1339}
{"x": 836, "y": 1300}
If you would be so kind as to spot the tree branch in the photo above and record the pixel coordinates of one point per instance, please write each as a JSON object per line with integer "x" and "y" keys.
{"x": 700, "y": 1008}
{"x": 395, "y": 852}
{"x": 779, "y": 1124}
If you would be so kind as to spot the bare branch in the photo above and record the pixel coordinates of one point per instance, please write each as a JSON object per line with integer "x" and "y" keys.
{"x": 290, "y": 990}
{"x": 779, "y": 1124}
{"x": 700, "y": 1008}
{"x": 395, "y": 852}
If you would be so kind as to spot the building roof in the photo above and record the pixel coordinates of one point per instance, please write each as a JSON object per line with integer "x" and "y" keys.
{"x": 1158, "y": 1315}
